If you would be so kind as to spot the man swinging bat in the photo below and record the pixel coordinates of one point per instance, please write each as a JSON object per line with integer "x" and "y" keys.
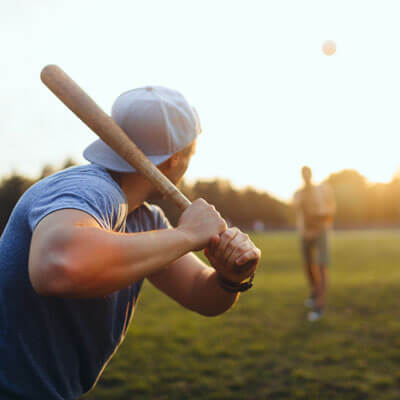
{"x": 79, "y": 244}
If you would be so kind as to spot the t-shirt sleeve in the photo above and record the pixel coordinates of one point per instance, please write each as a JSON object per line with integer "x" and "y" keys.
{"x": 92, "y": 196}
{"x": 160, "y": 219}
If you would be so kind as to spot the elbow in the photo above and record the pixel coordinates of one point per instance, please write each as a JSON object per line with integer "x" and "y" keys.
{"x": 215, "y": 312}
{"x": 212, "y": 313}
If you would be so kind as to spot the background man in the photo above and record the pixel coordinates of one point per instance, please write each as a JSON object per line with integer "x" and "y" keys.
{"x": 315, "y": 207}
{"x": 79, "y": 243}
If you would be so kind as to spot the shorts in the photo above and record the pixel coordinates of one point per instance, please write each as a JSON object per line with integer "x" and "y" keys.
{"x": 315, "y": 250}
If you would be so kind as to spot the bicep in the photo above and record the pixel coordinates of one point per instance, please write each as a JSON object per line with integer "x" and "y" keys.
{"x": 57, "y": 223}
{"x": 179, "y": 279}
{"x": 50, "y": 236}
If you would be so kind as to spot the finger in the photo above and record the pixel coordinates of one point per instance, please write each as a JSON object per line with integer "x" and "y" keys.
{"x": 214, "y": 242}
{"x": 247, "y": 263}
{"x": 240, "y": 248}
{"x": 229, "y": 249}
{"x": 242, "y": 268}
{"x": 225, "y": 239}
{"x": 242, "y": 244}
{"x": 251, "y": 256}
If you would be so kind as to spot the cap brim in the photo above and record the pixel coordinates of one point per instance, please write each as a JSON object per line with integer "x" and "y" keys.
{"x": 101, "y": 154}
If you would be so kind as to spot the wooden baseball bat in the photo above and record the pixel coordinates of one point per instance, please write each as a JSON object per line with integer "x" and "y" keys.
{"x": 108, "y": 130}
{"x": 84, "y": 107}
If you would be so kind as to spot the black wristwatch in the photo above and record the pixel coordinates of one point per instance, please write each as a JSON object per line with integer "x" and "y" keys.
{"x": 235, "y": 287}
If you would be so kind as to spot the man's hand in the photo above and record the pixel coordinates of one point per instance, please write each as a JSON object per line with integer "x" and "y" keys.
{"x": 200, "y": 222}
{"x": 230, "y": 254}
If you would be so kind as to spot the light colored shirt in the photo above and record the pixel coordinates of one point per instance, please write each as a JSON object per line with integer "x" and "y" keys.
{"x": 315, "y": 207}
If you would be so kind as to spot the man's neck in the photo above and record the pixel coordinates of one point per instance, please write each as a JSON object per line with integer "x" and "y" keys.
{"x": 308, "y": 185}
{"x": 137, "y": 189}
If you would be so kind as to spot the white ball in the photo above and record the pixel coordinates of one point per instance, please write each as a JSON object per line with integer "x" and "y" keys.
{"x": 329, "y": 47}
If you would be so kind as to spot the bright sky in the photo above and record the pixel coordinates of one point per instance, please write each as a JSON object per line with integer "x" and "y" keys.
{"x": 269, "y": 100}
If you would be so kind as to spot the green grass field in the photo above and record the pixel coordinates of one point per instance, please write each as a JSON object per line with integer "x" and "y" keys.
{"x": 264, "y": 348}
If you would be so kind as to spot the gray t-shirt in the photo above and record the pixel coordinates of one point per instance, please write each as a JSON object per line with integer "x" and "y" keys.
{"x": 53, "y": 347}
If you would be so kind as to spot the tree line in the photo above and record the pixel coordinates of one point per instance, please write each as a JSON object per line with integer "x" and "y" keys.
{"x": 359, "y": 203}
{"x": 362, "y": 204}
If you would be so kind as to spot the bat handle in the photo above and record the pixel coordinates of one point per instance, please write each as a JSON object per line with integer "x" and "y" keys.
{"x": 180, "y": 200}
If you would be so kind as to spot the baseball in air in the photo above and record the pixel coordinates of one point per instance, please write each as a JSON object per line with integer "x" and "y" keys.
{"x": 329, "y": 47}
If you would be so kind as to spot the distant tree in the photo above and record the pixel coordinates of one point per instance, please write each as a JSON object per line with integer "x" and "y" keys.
{"x": 50, "y": 169}
{"x": 11, "y": 189}
{"x": 69, "y": 162}
{"x": 13, "y": 186}
{"x": 350, "y": 189}
{"x": 241, "y": 207}
{"x": 384, "y": 203}
{"x": 47, "y": 170}
{"x": 360, "y": 203}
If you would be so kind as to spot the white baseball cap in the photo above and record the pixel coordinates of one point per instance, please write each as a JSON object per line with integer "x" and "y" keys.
{"x": 158, "y": 120}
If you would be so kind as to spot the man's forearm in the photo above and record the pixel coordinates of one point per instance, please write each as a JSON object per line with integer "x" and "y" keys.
{"x": 193, "y": 284}
{"x": 209, "y": 297}
{"x": 71, "y": 255}
{"x": 108, "y": 261}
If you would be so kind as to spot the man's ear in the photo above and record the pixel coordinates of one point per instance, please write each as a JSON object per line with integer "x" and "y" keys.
{"x": 170, "y": 163}
{"x": 174, "y": 160}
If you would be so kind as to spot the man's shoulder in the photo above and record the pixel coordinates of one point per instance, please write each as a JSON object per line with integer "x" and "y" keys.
{"x": 298, "y": 193}
{"x": 324, "y": 187}
{"x": 88, "y": 188}
{"x": 83, "y": 172}
{"x": 79, "y": 179}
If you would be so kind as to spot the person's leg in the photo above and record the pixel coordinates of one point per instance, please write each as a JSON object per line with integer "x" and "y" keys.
{"x": 307, "y": 250}
{"x": 308, "y": 267}
{"x": 318, "y": 308}
{"x": 322, "y": 287}
{"x": 316, "y": 272}
{"x": 321, "y": 271}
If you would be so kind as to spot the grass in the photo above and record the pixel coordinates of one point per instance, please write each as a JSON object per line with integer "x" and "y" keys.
{"x": 264, "y": 348}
